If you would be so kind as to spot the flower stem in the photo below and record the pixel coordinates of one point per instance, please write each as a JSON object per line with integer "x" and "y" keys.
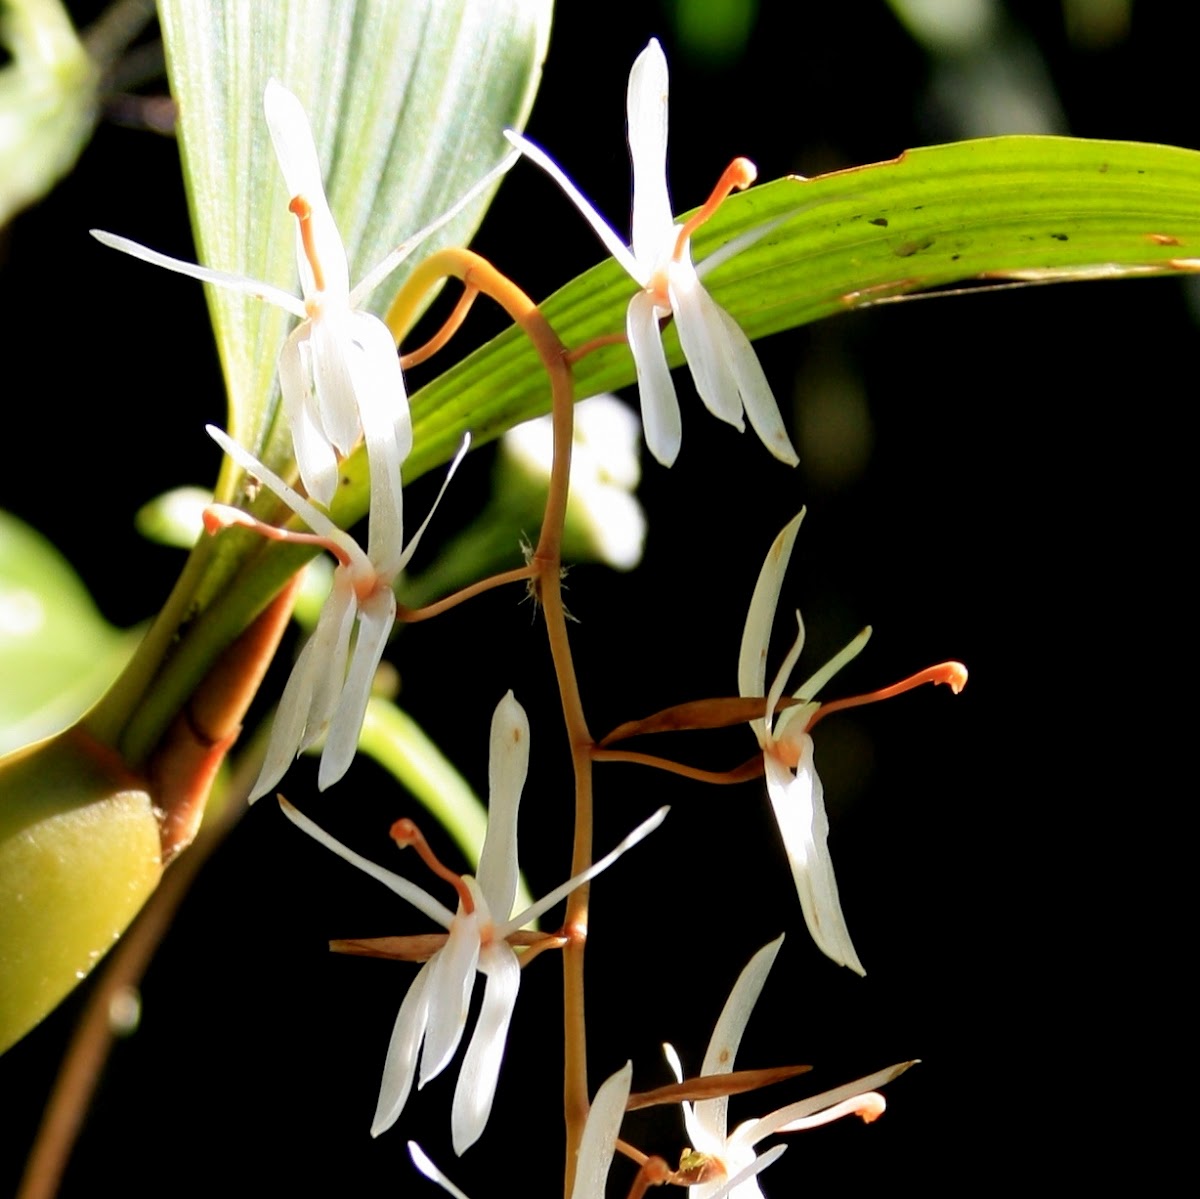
{"x": 477, "y": 273}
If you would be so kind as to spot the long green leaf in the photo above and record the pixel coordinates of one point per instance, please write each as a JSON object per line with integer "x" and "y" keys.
{"x": 997, "y": 208}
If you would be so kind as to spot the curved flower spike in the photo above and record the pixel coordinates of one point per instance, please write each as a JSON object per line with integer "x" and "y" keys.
{"x": 433, "y": 1016}
{"x": 338, "y": 371}
{"x": 727, "y": 1162}
{"x": 724, "y": 366}
{"x": 796, "y": 794}
{"x": 596, "y": 1147}
{"x": 327, "y": 691}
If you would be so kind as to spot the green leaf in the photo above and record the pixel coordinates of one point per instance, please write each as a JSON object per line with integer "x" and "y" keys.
{"x": 1036, "y": 208}
{"x": 407, "y": 99}
{"x": 57, "y": 654}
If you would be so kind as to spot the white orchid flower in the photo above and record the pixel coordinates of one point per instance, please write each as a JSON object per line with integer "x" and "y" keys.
{"x": 327, "y": 691}
{"x": 724, "y": 366}
{"x": 795, "y": 790}
{"x": 339, "y": 373}
{"x": 596, "y": 1146}
{"x": 433, "y": 1016}
{"x": 725, "y": 1162}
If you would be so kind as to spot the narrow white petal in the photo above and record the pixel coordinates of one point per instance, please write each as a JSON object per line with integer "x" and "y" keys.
{"x": 312, "y": 516}
{"x": 544, "y": 904}
{"x": 646, "y": 106}
{"x": 508, "y": 765}
{"x": 603, "y": 230}
{"x": 811, "y": 686}
{"x": 712, "y": 1114}
{"x": 400, "y": 1065}
{"x": 316, "y": 458}
{"x": 410, "y": 549}
{"x": 799, "y": 806}
{"x": 291, "y": 716}
{"x": 743, "y": 242}
{"x": 292, "y": 138}
{"x": 753, "y": 388}
{"x": 330, "y": 644}
{"x": 480, "y": 1070}
{"x": 329, "y": 343}
{"x": 600, "y": 1133}
{"x": 781, "y": 1120}
{"x": 697, "y": 1133}
{"x": 375, "y": 619}
{"x": 407, "y": 891}
{"x": 781, "y": 677}
{"x": 382, "y": 408}
{"x": 702, "y": 335}
{"x": 660, "y": 405}
{"x": 752, "y": 658}
{"x": 250, "y": 287}
{"x": 376, "y": 276}
{"x": 450, "y": 986}
{"x": 422, "y": 1162}
{"x": 741, "y": 1185}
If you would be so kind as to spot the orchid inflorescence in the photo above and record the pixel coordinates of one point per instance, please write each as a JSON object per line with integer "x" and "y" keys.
{"x": 341, "y": 385}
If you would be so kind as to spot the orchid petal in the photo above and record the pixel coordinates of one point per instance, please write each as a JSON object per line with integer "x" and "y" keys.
{"x": 599, "y": 1140}
{"x": 386, "y": 423}
{"x": 781, "y": 677}
{"x": 313, "y": 517}
{"x": 752, "y": 387}
{"x": 378, "y": 274}
{"x": 322, "y": 657}
{"x": 450, "y": 987}
{"x": 292, "y": 138}
{"x": 231, "y": 282}
{"x": 410, "y": 549}
{"x": 813, "y": 684}
{"x": 603, "y": 230}
{"x": 376, "y": 616}
{"x": 315, "y": 457}
{"x": 338, "y": 402}
{"x": 712, "y": 1114}
{"x": 407, "y": 891}
{"x": 732, "y": 248}
{"x": 799, "y": 805}
{"x": 480, "y": 1069}
{"x": 330, "y": 653}
{"x": 702, "y": 335}
{"x": 660, "y": 405}
{"x": 422, "y": 1162}
{"x": 508, "y": 765}
{"x": 741, "y": 1186}
{"x": 752, "y": 658}
{"x": 400, "y": 1064}
{"x": 784, "y": 1119}
{"x": 544, "y": 904}
{"x": 700, "y": 1137}
{"x": 646, "y": 106}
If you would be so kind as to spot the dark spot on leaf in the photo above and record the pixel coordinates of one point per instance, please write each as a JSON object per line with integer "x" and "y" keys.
{"x": 1060, "y": 237}
{"x": 881, "y": 221}
{"x": 907, "y": 249}
{"x": 1104, "y": 168}
{"x": 955, "y": 257}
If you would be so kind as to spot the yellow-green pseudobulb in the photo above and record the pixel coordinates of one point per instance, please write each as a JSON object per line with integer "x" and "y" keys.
{"x": 79, "y": 854}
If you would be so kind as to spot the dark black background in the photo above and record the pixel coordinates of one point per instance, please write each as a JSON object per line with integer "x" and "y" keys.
{"x": 1022, "y": 508}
